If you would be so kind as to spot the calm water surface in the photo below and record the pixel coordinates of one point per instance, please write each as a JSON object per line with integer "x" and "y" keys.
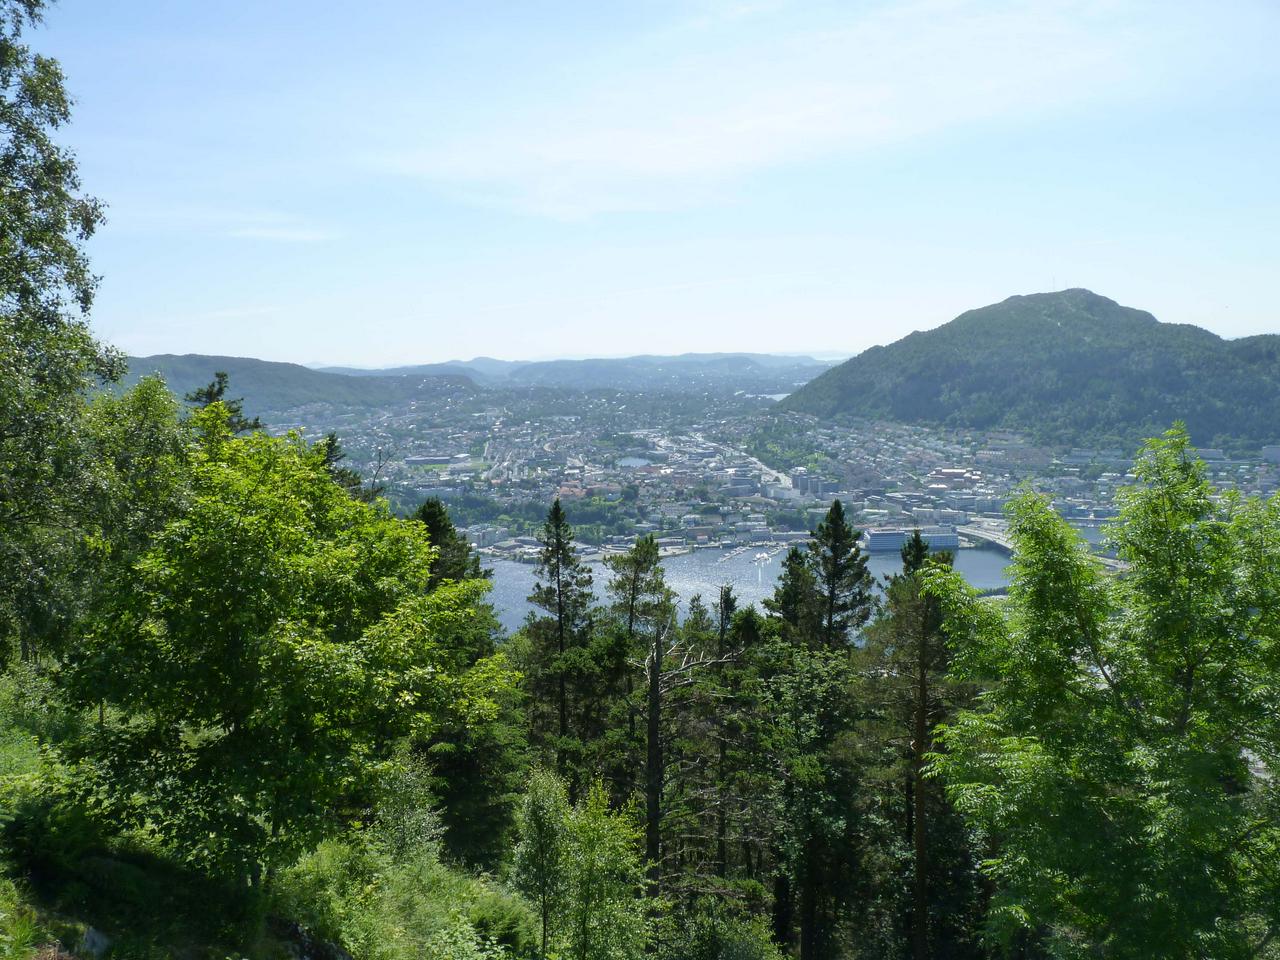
{"x": 704, "y": 571}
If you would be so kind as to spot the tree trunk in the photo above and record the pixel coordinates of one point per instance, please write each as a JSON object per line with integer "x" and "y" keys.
{"x": 809, "y": 906}
{"x": 562, "y": 692}
{"x": 632, "y": 600}
{"x": 782, "y": 909}
{"x": 920, "y": 905}
{"x": 653, "y": 765}
{"x": 722, "y": 846}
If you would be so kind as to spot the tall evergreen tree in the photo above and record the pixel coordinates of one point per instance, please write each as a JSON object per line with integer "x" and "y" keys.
{"x": 643, "y": 611}
{"x": 844, "y": 584}
{"x": 726, "y": 606}
{"x": 904, "y": 665}
{"x": 815, "y": 793}
{"x": 215, "y": 391}
{"x": 794, "y": 605}
{"x": 823, "y": 595}
{"x": 347, "y": 477}
{"x": 455, "y": 560}
{"x": 558, "y": 667}
{"x": 639, "y": 609}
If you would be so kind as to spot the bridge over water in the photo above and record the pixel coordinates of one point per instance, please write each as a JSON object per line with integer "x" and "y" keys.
{"x": 998, "y": 537}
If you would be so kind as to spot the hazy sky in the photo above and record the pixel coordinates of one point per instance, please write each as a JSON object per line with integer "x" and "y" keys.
{"x": 396, "y": 180}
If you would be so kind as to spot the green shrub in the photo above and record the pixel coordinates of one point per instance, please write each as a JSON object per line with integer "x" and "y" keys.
{"x": 19, "y": 929}
{"x": 44, "y": 822}
{"x": 30, "y": 703}
{"x": 709, "y": 931}
{"x": 354, "y": 893}
{"x": 505, "y": 919}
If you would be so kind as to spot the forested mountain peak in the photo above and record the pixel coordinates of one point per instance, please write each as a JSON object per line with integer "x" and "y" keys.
{"x": 1066, "y": 367}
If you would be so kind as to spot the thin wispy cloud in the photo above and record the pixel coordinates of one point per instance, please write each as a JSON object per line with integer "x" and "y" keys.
{"x": 150, "y": 217}
{"x": 282, "y": 234}
{"x": 665, "y": 175}
{"x": 685, "y": 116}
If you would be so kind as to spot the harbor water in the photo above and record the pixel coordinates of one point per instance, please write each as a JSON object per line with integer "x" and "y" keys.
{"x": 705, "y": 571}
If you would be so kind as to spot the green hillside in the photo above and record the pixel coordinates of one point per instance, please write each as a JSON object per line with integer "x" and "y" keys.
{"x": 272, "y": 387}
{"x": 1066, "y": 367}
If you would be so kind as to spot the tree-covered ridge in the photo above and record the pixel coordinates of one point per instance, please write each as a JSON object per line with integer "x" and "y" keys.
{"x": 1067, "y": 368}
{"x": 273, "y": 387}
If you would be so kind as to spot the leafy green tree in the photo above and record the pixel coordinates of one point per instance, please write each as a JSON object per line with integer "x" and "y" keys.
{"x": 476, "y": 764}
{"x": 264, "y": 653}
{"x": 713, "y": 931}
{"x": 476, "y": 768}
{"x": 48, "y": 359}
{"x": 216, "y": 392}
{"x": 539, "y": 857}
{"x": 1120, "y": 763}
{"x": 139, "y": 450}
{"x": 605, "y": 917}
{"x": 578, "y": 865}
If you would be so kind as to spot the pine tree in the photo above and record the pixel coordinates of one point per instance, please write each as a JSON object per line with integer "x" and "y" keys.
{"x": 640, "y": 607}
{"x": 794, "y": 605}
{"x": 216, "y": 392}
{"x": 905, "y": 663}
{"x": 844, "y": 584}
{"x": 823, "y": 595}
{"x": 330, "y": 447}
{"x": 559, "y": 670}
{"x": 455, "y": 560}
{"x": 726, "y": 606}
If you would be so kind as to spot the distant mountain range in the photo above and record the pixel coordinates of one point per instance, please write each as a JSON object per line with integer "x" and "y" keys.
{"x": 752, "y": 372}
{"x": 272, "y": 387}
{"x": 1070, "y": 367}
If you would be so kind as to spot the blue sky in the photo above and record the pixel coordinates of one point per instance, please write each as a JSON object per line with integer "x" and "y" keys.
{"x": 396, "y": 181}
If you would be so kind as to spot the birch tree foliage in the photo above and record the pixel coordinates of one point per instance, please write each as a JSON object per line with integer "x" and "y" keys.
{"x": 1121, "y": 769}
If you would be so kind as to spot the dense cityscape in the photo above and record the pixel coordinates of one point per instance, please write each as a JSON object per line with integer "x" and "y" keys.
{"x": 733, "y": 474}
